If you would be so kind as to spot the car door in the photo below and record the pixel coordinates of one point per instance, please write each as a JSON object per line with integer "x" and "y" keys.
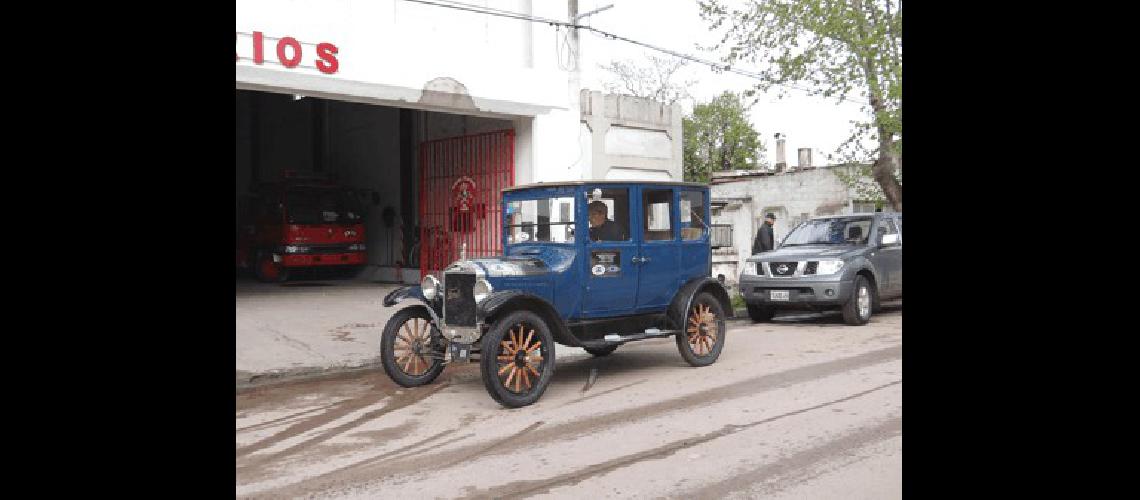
{"x": 888, "y": 258}
{"x": 659, "y": 257}
{"x": 610, "y": 274}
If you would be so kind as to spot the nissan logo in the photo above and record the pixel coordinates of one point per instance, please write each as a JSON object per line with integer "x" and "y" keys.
{"x": 782, "y": 269}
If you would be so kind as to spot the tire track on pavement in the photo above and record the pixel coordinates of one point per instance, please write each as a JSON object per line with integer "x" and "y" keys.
{"x": 590, "y": 424}
{"x": 519, "y": 489}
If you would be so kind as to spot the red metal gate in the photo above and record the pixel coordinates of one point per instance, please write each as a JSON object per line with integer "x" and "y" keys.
{"x": 460, "y": 198}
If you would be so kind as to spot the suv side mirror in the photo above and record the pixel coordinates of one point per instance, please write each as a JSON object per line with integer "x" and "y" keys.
{"x": 887, "y": 240}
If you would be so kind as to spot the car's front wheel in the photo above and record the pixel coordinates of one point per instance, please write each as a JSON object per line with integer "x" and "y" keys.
{"x": 702, "y": 339}
{"x": 759, "y": 313}
{"x": 857, "y": 309}
{"x": 411, "y": 348}
{"x": 268, "y": 271}
{"x": 517, "y": 359}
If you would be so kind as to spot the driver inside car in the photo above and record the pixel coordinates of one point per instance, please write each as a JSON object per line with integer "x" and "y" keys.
{"x": 601, "y": 228}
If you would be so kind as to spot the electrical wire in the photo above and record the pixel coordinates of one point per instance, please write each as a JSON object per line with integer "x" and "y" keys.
{"x": 553, "y": 22}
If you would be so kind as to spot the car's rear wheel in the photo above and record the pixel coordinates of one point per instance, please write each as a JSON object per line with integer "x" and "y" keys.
{"x": 702, "y": 338}
{"x": 759, "y": 313}
{"x": 411, "y": 349}
{"x": 857, "y": 309}
{"x": 517, "y": 359}
{"x": 601, "y": 351}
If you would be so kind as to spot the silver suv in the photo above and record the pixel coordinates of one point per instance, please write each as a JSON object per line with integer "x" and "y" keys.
{"x": 849, "y": 262}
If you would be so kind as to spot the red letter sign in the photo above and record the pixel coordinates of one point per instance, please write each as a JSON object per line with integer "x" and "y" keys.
{"x": 327, "y": 53}
{"x": 291, "y": 42}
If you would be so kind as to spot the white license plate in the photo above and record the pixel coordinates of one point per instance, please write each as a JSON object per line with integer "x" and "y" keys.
{"x": 779, "y": 294}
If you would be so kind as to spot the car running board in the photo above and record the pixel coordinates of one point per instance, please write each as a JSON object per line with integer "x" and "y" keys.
{"x": 614, "y": 338}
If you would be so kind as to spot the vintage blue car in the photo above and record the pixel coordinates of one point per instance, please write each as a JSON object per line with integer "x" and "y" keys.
{"x": 591, "y": 264}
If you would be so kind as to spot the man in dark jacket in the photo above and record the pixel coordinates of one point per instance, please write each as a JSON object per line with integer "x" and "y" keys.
{"x": 601, "y": 228}
{"x": 765, "y": 240}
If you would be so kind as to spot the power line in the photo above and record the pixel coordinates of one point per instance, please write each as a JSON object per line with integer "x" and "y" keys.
{"x": 554, "y": 22}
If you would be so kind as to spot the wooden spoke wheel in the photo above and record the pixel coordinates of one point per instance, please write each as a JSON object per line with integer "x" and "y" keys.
{"x": 519, "y": 359}
{"x": 411, "y": 348}
{"x": 703, "y": 337}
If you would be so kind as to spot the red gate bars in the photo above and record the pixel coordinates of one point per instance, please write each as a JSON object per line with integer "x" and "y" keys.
{"x": 461, "y": 179}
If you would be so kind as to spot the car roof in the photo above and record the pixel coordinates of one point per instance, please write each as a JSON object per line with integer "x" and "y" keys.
{"x": 592, "y": 183}
{"x": 850, "y": 216}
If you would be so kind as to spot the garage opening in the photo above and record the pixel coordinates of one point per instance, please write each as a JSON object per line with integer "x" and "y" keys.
{"x": 329, "y": 189}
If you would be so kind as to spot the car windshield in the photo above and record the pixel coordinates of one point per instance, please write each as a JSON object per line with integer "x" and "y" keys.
{"x": 320, "y": 206}
{"x": 852, "y": 231}
{"x": 543, "y": 220}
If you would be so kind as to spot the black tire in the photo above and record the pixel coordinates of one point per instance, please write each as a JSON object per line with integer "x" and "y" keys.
{"x": 854, "y": 313}
{"x": 267, "y": 271}
{"x": 420, "y": 357}
{"x": 702, "y": 336}
{"x": 602, "y": 351}
{"x": 759, "y": 313}
{"x": 503, "y": 341}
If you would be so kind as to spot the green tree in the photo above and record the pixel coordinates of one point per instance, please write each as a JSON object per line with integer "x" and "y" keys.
{"x": 719, "y": 137}
{"x": 840, "y": 48}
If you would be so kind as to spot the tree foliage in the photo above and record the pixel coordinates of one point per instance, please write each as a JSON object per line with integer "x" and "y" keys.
{"x": 718, "y": 136}
{"x": 846, "y": 49}
{"x": 656, "y": 81}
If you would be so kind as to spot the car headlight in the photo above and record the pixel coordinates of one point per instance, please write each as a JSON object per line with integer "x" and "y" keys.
{"x": 430, "y": 287}
{"x": 750, "y": 268}
{"x": 829, "y": 266}
{"x": 481, "y": 290}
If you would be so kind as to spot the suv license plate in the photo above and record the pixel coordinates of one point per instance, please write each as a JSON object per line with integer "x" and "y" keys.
{"x": 779, "y": 295}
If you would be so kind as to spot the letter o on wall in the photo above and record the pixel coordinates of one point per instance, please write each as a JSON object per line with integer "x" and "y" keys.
{"x": 289, "y": 42}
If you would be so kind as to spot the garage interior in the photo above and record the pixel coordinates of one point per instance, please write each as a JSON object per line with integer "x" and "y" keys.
{"x": 368, "y": 148}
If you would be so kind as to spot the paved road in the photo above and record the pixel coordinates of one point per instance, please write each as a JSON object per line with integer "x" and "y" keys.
{"x": 803, "y": 407}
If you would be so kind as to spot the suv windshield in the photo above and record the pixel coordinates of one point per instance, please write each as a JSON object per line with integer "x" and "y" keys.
{"x": 852, "y": 231}
{"x": 320, "y": 206}
{"x": 543, "y": 220}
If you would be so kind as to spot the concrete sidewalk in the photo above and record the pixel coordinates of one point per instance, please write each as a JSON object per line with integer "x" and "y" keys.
{"x": 309, "y": 328}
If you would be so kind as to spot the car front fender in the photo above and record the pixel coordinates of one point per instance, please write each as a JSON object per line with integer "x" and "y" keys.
{"x": 415, "y": 293}
{"x": 509, "y": 300}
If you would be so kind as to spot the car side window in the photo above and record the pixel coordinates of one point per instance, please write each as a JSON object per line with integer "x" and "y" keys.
{"x": 887, "y": 226}
{"x": 693, "y": 223}
{"x": 657, "y": 207}
{"x": 607, "y": 213}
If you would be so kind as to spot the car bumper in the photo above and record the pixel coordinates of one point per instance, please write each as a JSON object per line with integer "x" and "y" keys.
{"x": 801, "y": 292}
{"x": 328, "y": 259}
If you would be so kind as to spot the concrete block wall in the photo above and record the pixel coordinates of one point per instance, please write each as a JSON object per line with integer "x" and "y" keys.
{"x": 632, "y": 137}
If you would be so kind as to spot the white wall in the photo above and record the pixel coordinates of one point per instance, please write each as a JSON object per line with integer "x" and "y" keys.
{"x": 404, "y": 54}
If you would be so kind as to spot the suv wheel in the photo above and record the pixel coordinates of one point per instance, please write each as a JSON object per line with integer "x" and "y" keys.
{"x": 759, "y": 313}
{"x": 517, "y": 359}
{"x": 411, "y": 348}
{"x": 857, "y": 310}
{"x": 601, "y": 351}
{"x": 703, "y": 337}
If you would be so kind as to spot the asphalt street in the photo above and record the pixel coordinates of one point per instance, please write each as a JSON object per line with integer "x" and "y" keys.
{"x": 801, "y": 407}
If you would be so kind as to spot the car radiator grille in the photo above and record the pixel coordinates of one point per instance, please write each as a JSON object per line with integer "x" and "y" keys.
{"x": 459, "y": 299}
{"x": 783, "y": 268}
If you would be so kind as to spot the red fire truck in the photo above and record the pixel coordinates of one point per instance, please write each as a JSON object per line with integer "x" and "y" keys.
{"x": 299, "y": 222}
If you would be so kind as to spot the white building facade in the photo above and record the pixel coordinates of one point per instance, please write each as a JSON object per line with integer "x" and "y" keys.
{"x": 364, "y": 89}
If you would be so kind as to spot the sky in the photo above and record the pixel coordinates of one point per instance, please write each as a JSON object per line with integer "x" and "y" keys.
{"x": 819, "y": 123}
